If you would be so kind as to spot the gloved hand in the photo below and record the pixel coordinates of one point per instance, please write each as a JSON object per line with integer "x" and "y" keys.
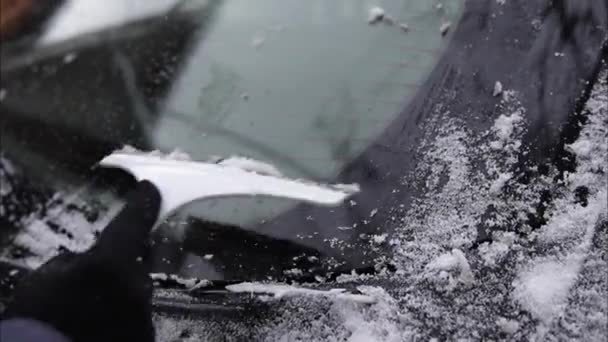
{"x": 105, "y": 293}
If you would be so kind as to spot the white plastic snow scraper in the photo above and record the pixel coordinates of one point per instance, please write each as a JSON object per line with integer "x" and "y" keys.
{"x": 182, "y": 181}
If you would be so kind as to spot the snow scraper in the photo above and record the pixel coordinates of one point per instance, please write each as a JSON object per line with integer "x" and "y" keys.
{"x": 181, "y": 180}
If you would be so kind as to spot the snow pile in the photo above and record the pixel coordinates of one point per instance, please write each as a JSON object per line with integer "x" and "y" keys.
{"x": 509, "y": 327}
{"x": 497, "y": 89}
{"x": 379, "y": 239}
{"x": 176, "y": 154}
{"x": 500, "y": 182}
{"x": 485, "y": 212}
{"x": 456, "y": 194}
{"x": 183, "y": 330}
{"x": 347, "y": 188}
{"x": 573, "y": 223}
{"x": 454, "y": 261}
{"x": 299, "y": 318}
{"x": 252, "y": 165}
{"x": 545, "y": 282}
{"x": 279, "y": 291}
{"x": 353, "y": 276}
{"x": 378, "y": 323}
{"x": 342, "y": 321}
{"x": 447, "y": 157}
{"x": 543, "y": 289}
{"x": 585, "y": 316}
{"x": 373, "y": 212}
{"x": 494, "y": 253}
{"x": 504, "y": 127}
{"x": 189, "y": 283}
{"x": 376, "y": 14}
{"x": 590, "y": 148}
{"x": 240, "y": 162}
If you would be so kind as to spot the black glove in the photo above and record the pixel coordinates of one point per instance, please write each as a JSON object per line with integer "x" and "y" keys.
{"x": 105, "y": 293}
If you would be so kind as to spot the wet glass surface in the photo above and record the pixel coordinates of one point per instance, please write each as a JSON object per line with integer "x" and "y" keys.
{"x": 303, "y": 85}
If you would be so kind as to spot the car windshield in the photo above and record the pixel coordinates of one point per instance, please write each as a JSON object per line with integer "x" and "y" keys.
{"x": 305, "y": 86}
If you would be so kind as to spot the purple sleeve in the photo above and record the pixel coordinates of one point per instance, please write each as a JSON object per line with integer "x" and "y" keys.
{"x": 27, "y": 330}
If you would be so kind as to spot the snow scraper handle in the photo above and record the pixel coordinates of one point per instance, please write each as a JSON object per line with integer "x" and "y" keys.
{"x": 184, "y": 181}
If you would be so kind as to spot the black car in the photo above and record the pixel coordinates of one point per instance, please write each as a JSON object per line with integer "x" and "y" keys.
{"x": 475, "y": 129}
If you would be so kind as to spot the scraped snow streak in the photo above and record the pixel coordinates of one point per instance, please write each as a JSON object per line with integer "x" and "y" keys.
{"x": 479, "y": 255}
{"x": 282, "y": 291}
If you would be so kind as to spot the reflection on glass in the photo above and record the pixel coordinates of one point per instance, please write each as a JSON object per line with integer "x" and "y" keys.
{"x": 306, "y": 85}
